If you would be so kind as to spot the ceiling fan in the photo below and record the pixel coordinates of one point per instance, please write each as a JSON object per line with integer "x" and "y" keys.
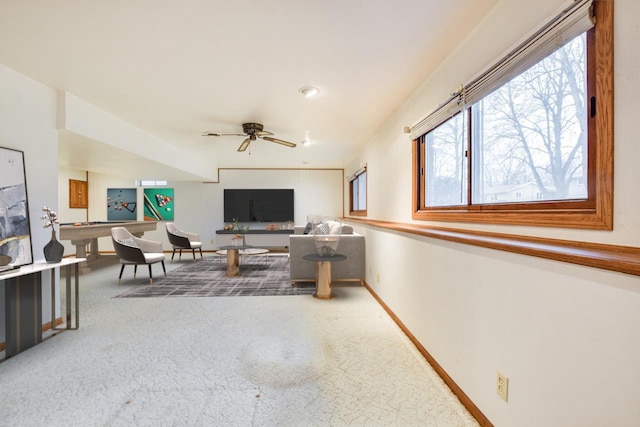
{"x": 252, "y": 131}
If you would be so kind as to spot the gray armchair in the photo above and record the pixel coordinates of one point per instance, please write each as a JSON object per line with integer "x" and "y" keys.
{"x": 183, "y": 240}
{"x": 135, "y": 251}
{"x": 352, "y": 245}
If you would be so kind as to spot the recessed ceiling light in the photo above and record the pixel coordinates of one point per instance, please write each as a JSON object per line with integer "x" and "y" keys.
{"x": 305, "y": 142}
{"x": 309, "y": 91}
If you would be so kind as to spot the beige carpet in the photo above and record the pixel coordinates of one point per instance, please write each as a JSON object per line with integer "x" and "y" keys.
{"x": 243, "y": 361}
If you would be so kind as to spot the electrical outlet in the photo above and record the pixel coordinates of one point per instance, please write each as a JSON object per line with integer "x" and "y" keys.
{"x": 377, "y": 277}
{"x": 212, "y": 241}
{"x": 502, "y": 386}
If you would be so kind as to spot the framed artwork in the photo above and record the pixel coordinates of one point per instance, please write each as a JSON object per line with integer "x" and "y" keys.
{"x": 158, "y": 204}
{"x": 15, "y": 232}
{"x": 121, "y": 204}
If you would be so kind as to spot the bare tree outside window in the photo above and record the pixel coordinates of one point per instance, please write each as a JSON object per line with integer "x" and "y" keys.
{"x": 446, "y": 163}
{"x": 531, "y": 133}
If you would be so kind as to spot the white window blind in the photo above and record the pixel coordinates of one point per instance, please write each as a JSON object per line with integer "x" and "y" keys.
{"x": 571, "y": 22}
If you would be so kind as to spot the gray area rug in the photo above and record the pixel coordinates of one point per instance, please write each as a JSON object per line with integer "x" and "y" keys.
{"x": 259, "y": 276}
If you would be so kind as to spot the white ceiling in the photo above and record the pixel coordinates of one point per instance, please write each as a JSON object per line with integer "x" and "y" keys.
{"x": 176, "y": 69}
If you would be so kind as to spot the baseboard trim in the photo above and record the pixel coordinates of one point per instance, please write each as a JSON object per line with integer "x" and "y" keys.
{"x": 461, "y": 395}
{"x": 47, "y": 326}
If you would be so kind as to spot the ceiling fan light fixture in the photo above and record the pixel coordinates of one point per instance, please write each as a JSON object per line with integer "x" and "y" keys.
{"x": 309, "y": 91}
{"x": 251, "y": 132}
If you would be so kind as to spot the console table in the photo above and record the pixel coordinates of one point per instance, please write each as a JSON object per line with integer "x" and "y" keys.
{"x": 323, "y": 273}
{"x": 23, "y": 303}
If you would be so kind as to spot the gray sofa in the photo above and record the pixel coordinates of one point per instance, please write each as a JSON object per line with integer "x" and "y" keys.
{"x": 351, "y": 244}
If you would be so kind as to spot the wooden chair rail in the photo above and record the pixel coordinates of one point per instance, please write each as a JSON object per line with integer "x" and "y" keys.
{"x": 624, "y": 259}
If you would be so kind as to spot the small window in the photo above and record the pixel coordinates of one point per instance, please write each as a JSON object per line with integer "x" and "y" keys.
{"x": 151, "y": 183}
{"x": 358, "y": 193}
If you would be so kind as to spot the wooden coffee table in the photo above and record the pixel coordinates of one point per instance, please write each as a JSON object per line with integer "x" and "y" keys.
{"x": 233, "y": 256}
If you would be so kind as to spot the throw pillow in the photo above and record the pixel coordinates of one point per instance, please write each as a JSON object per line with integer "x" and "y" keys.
{"x": 334, "y": 227}
{"x": 307, "y": 229}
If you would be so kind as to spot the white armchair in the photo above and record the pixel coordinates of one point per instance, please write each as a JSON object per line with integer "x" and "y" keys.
{"x": 183, "y": 240}
{"x": 135, "y": 251}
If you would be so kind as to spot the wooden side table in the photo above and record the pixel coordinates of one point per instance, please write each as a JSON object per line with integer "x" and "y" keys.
{"x": 323, "y": 273}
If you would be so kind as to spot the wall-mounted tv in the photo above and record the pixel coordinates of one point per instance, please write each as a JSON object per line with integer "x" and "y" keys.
{"x": 258, "y": 205}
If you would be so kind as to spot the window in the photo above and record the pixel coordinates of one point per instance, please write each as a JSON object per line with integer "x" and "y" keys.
{"x": 358, "y": 192}
{"x": 527, "y": 144}
{"x": 151, "y": 183}
{"x": 532, "y": 131}
{"x": 446, "y": 163}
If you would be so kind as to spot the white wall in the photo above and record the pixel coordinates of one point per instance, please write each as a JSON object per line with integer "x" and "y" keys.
{"x": 565, "y": 335}
{"x": 28, "y": 123}
{"x": 199, "y": 206}
{"x": 81, "y": 118}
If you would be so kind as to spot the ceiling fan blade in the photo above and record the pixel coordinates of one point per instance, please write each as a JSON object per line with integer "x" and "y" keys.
{"x": 279, "y": 141}
{"x": 223, "y": 134}
{"x": 262, "y": 133}
{"x": 245, "y": 144}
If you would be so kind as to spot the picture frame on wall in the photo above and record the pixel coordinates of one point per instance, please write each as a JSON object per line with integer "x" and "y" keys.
{"x": 15, "y": 229}
{"x": 122, "y": 204}
{"x": 158, "y": 204}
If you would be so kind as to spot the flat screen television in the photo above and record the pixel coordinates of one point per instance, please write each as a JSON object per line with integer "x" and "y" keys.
{"x": 258, "y": 205}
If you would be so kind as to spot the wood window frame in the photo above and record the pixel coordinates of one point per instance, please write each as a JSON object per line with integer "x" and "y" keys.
{"x": 596, "y": 212}
{"x": 360, "y": 212}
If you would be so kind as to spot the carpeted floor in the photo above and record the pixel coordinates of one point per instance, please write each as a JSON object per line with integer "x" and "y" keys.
{"x": 260, "y": 362}
{"x": 259, "y": 276}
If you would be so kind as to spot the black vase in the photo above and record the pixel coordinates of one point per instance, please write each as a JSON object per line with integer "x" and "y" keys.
{"x": 53, "y": 250}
